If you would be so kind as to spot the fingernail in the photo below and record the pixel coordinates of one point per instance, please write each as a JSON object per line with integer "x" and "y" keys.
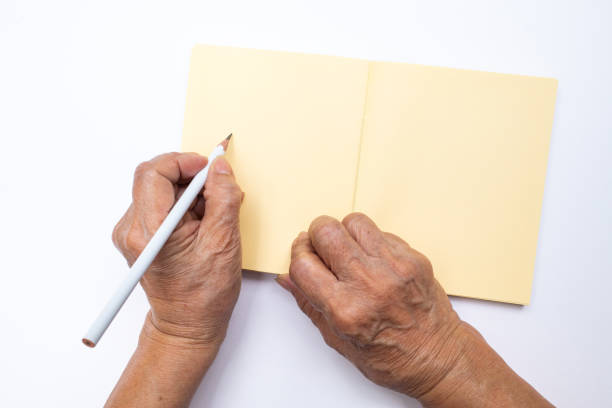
{"x": 221, "y": 166}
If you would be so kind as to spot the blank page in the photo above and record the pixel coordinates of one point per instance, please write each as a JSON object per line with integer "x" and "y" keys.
{"x": 454, "y": 162}
{"x": 296, "y": 121}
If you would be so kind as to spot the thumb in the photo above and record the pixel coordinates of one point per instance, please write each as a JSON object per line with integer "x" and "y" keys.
{"x": 222, "y": 196}
{"x": 317, "y": 318}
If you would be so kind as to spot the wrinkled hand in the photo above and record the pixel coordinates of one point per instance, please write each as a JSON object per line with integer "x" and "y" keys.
{"x": 193, "y": 283}
{"x": 376, "y": 301}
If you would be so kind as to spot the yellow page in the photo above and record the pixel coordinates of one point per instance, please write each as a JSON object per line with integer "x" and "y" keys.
{"x": 454, "y": 162}
{"x": 296, "y": 121}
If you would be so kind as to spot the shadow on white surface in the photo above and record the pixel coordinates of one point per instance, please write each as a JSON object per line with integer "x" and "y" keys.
{"x": 270, "y": 341}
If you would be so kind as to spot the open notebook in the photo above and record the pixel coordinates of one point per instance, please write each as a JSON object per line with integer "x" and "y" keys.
{"x": 451, "y": 160}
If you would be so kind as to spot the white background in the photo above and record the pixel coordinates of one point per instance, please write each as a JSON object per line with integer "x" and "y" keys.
{"x": 90, "y": 89}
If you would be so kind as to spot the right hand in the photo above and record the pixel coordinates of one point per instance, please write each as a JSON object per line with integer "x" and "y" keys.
{"x": 376, "y": 301}
{"x": 192, "y": 285}
{"x": 194, "y": 281}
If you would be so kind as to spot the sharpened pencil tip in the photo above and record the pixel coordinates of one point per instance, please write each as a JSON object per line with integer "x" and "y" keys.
{"x": 225, "y": 141}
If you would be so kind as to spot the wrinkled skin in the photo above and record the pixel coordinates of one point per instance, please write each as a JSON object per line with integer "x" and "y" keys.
{"x": 372, "y": 296}
{"x": 376, "y": 301}
{"x": 194, "y": 282}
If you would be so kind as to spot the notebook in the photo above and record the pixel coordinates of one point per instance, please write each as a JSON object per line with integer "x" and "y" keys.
{"x": 451, "y": 160}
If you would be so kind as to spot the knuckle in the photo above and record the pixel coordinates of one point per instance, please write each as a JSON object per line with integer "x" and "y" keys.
{"x": 347, "y": 319}
{"x": 299, "y": 241}
{"x": 116, "y": 234}
{"x": 354, "y": 220}
{"x": 388, "y": 288}
{"x": 144, "y": 173}
{"x": 134, "y": 241}
{"x": 410, "y": 267}
{"x": 325, "y": 227}
{"x": 425, "y": 264}
{"x": 148, "y": 168}
{"x": 299, "y": 266}
{"x": 406, "y": 267}
{"x": 355, "y": 264}
{"x": 164, "y": 158}
{"x": 295, "y": 244}
{"x": 142, "y": 169}
{"x": 234, "y": 194}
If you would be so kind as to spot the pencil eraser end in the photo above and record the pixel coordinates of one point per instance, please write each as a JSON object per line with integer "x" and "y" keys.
{"x": 89, "y": 343}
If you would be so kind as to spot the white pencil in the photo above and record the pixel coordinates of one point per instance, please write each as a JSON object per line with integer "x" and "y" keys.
{"x": 149, "y": 253}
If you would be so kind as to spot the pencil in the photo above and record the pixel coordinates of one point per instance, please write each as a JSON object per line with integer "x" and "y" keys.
{"x": 148, "y": 254}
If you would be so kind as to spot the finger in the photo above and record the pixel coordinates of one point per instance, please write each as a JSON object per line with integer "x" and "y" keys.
{"x": 154, "y": 185}
{"x": 129, "y": 248}
{"x": 222, "y": 197}
{"x": 310, "y": 274}
{"x": 179, "y": 168}
{"x": 317, "y": 318}
{"x": 395, "y": 240}
{"x": 366, "y": 233}
{"x": 336, "y": 247}
{"x": 198, "y": 207}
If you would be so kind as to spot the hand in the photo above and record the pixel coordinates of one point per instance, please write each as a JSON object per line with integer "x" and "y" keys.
{"x": 194, "y": 282}
{"x": 192, "y": 285}
{"x": 376, "y": 301}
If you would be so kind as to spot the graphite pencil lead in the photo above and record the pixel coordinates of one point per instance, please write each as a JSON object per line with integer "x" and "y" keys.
{"x": 225, "y": 141}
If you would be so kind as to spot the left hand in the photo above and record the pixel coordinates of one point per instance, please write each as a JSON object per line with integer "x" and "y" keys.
{"x": 376, "y": 301}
